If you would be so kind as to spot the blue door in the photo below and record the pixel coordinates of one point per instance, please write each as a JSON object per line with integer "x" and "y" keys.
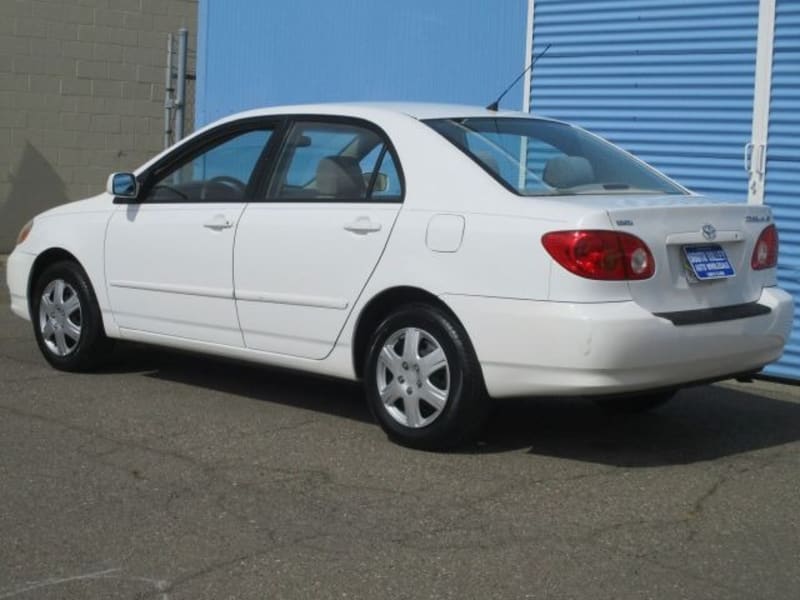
{"x": 782, "y": 189}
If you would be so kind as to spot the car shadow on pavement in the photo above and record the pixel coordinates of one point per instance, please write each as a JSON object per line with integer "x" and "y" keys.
{"x": 258, "y": 382}
{"x": 699, "y": 424}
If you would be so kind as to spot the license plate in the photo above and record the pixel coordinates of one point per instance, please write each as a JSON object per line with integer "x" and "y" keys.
{"x": 708, "y": 262}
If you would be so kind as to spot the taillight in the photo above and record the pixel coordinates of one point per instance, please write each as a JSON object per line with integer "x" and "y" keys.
{"x": 765, "y": 253}
{"x": 599, "y": 254}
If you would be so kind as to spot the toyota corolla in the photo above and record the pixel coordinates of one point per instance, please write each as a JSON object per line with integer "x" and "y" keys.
{"x": 444, "y": 255}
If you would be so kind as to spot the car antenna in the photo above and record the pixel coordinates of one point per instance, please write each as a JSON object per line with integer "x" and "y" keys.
{"x": 496, "y": 104}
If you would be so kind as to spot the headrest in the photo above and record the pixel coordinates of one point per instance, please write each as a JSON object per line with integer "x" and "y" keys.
{"x": 340, "y": 176}
{"x": 567, "y": 171}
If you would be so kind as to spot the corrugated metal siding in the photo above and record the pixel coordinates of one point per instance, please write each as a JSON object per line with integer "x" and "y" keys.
{"x": 669, "y": 80}
{"x": 783, "y": 165}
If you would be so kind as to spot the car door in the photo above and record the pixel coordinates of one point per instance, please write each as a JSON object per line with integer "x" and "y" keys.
{"x": 305, "y": 251}
{"x": 169, "y": 255}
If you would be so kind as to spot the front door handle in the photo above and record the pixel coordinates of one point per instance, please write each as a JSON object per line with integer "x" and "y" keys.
{"x": 363, "y": 225}
{"x": 219, "y": 222}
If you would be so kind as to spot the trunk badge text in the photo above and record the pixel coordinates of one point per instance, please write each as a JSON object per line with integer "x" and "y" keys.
{"x": 709, "y": 232}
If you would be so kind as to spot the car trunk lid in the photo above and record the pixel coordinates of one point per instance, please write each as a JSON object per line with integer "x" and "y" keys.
{"x": 679, "y": 229}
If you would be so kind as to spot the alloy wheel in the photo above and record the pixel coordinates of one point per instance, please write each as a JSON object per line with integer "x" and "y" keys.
{"x": 60, "y": 317}
{"x": 413, "y": 377}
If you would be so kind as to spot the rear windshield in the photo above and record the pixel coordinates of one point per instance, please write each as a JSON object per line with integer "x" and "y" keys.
{"x": 534, "y": 157}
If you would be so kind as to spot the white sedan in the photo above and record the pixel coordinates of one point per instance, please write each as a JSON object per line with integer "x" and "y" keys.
{"x": 444, "y": 255}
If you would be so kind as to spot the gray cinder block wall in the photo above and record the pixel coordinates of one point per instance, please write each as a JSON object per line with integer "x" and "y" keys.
{"x": 81, "y": 95}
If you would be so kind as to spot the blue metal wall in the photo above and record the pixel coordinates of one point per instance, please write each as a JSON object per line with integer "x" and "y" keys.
{"x": 670, "y": 80}
{"x": 256, "y": 53}
{"x": 783, "y": 165}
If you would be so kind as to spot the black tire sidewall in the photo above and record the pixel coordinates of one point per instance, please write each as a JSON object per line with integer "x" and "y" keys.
{"x": 85, "y": 353}
{"x": 464, "y": 410}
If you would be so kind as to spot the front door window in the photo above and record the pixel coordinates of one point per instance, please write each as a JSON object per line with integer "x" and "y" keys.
{"x": 219, "y": 174}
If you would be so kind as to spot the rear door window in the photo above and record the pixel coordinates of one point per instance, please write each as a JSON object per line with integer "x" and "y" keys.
{"x": 336, "y": 162}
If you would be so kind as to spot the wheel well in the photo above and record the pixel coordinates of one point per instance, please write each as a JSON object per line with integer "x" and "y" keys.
{"x": 44, "y": 260}
{"x": 380, "y": 307}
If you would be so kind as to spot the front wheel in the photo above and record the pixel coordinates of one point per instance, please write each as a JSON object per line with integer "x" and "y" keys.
{"x": 424, "y": 383}
{"x": 66, "y": 319}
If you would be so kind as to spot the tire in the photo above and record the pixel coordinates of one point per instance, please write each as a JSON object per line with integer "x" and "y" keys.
{"x": 66, "y": 319}
{"x": 635, "y": 404}
{"x": 430, "y": 404}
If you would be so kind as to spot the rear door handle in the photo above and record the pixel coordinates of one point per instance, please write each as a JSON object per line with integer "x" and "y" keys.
{"x": 363, "y": 225}
{"x": 218, "y": 222}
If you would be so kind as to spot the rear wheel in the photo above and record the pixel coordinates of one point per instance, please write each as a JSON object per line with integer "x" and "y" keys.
{"x": 423, "y": 380}
{"x": 66, "y": 319}
{"x": 638, "y": 403}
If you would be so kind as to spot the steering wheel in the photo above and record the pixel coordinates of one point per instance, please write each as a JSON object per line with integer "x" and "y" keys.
{"x": 231, "y": 182}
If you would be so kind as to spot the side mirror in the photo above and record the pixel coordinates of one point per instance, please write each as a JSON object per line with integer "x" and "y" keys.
{"x": 123, "y": 186}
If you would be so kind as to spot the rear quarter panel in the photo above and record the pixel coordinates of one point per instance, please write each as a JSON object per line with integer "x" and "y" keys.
{"x": 500, "y": 255}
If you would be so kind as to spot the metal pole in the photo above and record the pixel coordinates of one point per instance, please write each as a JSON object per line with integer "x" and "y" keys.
{"x": 180, "y": 84}
{"x": 168, "y": 91}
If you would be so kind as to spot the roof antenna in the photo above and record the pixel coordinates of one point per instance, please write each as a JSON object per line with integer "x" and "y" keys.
{"x": 496, "y": 104}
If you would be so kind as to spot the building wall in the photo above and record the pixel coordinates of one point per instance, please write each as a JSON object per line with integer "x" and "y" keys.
{"x": 81, "y": 95}
{"x": 267, "y": 53}
{"x": 669, "y": 80}
{"x": 783, "y": 167}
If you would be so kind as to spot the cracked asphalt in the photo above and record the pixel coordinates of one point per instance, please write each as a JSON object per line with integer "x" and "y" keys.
{"x": 171, "y": 476}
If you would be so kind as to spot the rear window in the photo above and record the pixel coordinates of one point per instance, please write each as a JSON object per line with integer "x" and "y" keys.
{"x": 534, "y": 157}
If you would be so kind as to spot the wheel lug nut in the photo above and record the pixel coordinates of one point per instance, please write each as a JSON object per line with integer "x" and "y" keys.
{"x": 401, "y": 379}
{"x": 409, "y": 391}
{"x": 405, "y": 366}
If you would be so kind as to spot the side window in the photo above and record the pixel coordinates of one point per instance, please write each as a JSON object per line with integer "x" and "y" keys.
{"x": 332, "y": 162}
{"x": 387, "y": 180}
{"x": 217, "y": 174}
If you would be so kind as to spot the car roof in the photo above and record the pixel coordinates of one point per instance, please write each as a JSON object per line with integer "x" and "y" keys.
{"x": 367, "y": 110}
{"x": 416, "y": 110}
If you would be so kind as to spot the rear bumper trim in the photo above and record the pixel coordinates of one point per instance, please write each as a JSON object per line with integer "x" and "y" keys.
{"x": 713, "y": 315}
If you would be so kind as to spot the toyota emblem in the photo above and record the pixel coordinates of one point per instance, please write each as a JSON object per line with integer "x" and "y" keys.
{"x": 709, "y": 232}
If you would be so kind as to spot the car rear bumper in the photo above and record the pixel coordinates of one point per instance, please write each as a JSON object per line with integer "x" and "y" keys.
{"x": 18, "y": 270}
{"x": 551, "y": 348}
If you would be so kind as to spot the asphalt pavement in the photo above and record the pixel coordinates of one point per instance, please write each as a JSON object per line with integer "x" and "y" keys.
{"x": 174, "y": 476}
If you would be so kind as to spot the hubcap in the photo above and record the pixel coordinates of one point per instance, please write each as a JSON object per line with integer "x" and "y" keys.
{"x": 413, "y": 377}
{"x": 60, "y": 317}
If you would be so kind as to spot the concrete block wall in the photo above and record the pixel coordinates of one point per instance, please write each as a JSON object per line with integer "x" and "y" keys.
{"x": 81, "y": 95}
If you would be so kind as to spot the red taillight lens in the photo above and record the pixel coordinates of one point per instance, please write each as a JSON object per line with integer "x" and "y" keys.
{"x": 598, "y": 254}
{"x": 765, "y": 253}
